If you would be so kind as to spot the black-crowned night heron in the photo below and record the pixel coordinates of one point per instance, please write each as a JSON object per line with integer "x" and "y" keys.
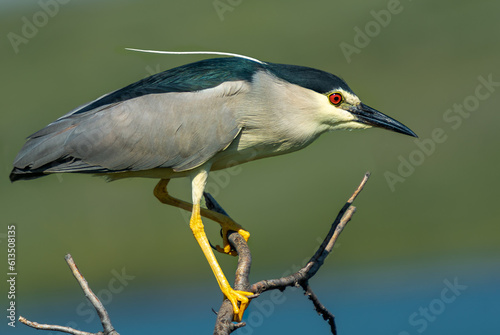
{"x": 197, "y": 118}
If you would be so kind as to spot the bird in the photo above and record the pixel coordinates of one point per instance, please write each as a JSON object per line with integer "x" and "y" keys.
{"x": 196, "y": 118}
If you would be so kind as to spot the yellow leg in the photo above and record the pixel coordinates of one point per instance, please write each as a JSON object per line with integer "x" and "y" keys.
{"x": 226, "y": 223}
{"x": 234, "y": 296}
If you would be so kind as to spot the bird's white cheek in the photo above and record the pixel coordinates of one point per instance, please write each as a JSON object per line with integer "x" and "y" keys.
{"x": 350, "y": 125}
{"x": 334, "y": 116}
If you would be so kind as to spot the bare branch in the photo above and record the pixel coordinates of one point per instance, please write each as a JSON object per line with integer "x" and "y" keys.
{"x": 320, "y": 308}
{"x": 101, "y": 311}
{"x": 310, "y": 269}
{"x": 224, "y": 323}
{"x": 53, "y": 327}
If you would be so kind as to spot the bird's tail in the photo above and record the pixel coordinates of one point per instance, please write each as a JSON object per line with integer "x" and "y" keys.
{"x": 23, "y": 174}
{"x": 45, "y": 153}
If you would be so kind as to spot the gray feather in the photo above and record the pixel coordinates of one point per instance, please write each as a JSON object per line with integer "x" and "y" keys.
{"x": 170, "y": 130}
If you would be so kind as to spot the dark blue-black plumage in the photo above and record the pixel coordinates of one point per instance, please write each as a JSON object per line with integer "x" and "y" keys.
{"x": 209, "y": 73}
{"x": 186, "y": 78}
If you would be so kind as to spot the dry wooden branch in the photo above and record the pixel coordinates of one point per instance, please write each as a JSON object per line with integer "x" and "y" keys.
{"x": 224, "y": 324}
{"x": 101, "y": 311}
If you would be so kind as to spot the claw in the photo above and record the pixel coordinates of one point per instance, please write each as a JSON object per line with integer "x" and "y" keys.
{"x": 226, "y": 247}
{"x": 238, "y": 296}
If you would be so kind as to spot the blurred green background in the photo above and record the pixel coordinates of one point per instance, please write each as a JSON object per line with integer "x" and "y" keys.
{"x": 406, "y": 241}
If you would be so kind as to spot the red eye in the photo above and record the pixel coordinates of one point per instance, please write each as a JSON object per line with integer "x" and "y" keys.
{"x": 335, "y": 98}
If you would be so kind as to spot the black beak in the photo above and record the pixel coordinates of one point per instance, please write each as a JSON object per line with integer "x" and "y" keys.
{"x": 373, "y": 117}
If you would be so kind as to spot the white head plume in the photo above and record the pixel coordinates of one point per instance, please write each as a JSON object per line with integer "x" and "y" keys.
{"x": 197, "y": 53}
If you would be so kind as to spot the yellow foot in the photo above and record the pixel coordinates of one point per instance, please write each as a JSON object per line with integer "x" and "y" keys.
{"x": 238, "y": 296}
{"x": 226, "y": 227}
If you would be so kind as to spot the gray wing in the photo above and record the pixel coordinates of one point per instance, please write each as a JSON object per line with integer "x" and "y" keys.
{"x": 180, "y": 130}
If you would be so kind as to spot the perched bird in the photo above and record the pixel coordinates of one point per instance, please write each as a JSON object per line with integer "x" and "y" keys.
{"x": 197, "y": 118}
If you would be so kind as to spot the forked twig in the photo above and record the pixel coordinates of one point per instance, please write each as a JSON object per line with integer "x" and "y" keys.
{"x": 101, "y": 311}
